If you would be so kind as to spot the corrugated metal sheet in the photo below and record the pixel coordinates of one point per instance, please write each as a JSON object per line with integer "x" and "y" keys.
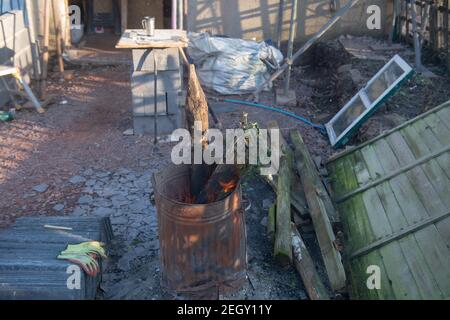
{"x": 29, "y": 268}
{"x": 393, "y": 195}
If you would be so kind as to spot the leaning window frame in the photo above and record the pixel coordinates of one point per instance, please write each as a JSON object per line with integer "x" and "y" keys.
{"x": 371, "y": 107}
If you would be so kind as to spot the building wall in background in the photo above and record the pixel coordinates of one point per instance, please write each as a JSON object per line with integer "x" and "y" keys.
{"x": 250, "y": 19}
{"x": 35, "y": 10}
{"x": 138, "y": 9}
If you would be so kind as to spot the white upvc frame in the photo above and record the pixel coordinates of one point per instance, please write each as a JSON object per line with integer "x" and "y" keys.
{"x": 370, "y": 106}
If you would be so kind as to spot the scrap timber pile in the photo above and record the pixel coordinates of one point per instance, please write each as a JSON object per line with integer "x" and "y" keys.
{"x": 302, "y": 196}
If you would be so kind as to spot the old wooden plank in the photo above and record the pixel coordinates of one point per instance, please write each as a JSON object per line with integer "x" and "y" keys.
{"x": 302, "y": 154}
{"x": 315, "y": 194}
{"x": 422, "y": 141}
{"x": 283, "y": 238}
{"x": 392, "y": 255}
{"x": 376, "y": 216}
{"x": 298, "y": 200}
{"x": 413, "y": 210}
{"x": 336, "y": 184}
{"x": 417, "y": 177}
{"x": 428, "y": 142}
{"x": 362, "y": 234}
{"x": 405, "y": 203}
{"x": 400, "y": 184}
{"x": 355, "y": 232}
{"x": 396, "y": 218}
{"x": 410, "y": 166}
{"x": 444, "y": 114}
{"x": 398, "y": 235}
{"x": 351, "y": 230}
{"x": 437, "y": 128}
{"x": 435, "y": 241}
{"x": 306, "y": 268}
{"x": 404, "y": 284}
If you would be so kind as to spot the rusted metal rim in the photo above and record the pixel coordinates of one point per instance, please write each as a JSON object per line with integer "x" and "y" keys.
{"x": 205, "y": 220}
{"x": 155, "y": 188}
{"x": 184, "y": 211}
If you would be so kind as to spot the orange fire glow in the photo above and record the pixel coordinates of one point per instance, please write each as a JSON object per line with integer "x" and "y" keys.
{"x": 228, "y": 186}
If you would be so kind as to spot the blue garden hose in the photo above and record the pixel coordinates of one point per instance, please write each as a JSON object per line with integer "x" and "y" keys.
{"x": 320, "y": 127}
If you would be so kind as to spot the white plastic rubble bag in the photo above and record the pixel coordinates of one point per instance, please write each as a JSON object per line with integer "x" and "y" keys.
{"x": 232, "y": 66}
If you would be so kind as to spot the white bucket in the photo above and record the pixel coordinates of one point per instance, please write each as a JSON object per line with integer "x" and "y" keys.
{"x": 76, "y": 32}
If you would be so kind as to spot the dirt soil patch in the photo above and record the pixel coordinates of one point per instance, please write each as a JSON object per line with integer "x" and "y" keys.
{"x": 83, "y": 129}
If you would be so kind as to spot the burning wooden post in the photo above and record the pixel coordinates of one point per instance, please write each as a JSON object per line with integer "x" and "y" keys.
{"x": 197, "y": 111}
{"x": 209, "y": 183}
{"x": 221, "y": 183}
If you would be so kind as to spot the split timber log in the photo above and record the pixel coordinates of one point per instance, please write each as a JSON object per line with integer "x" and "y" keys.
{"x": 306, "y": 268}
{"x": 315, "y": 196}
{"x": 283, "y": 240}
{"x": 298, "y": 200}
{"x": 271, "y": 221}
{"x": 197, "y": 110}
{"x": 196, "y": 104}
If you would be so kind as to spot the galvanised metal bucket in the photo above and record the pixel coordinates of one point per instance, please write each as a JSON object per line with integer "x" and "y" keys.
{"x": 202, "y": 246}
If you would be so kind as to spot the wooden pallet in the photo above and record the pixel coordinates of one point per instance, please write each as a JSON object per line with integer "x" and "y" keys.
{"x": 393, "y": 195}
{"x": 29, "y": 268}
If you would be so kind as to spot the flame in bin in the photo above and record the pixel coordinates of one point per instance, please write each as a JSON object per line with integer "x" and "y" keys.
{"x": 228, "y": 186}
{"x": 188, "y": 198}
{"x": 215, "y": 192}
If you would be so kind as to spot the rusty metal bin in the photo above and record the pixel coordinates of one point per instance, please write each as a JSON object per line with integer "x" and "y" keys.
{"x": 202, "y": 246}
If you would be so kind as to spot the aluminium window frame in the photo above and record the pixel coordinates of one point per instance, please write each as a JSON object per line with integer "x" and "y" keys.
{"x": 371, "y": 107}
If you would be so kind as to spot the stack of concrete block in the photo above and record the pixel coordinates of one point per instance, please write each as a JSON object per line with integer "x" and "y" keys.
{"x": 168, "y": 87}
